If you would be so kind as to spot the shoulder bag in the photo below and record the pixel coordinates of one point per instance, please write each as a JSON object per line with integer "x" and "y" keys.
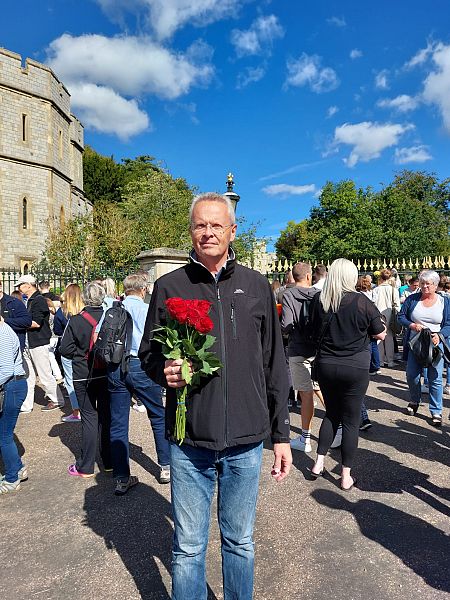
{"x": 394, "y": 325}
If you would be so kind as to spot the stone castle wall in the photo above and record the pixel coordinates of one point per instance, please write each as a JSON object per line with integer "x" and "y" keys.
{"x": 41, "y": 148}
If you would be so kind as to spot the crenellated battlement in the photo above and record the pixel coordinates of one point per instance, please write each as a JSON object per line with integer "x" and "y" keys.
{"x": 33, "y": 78}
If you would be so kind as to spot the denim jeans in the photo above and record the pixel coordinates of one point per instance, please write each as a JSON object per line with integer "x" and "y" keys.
{"x": 121, "y": 386}
{"x": 374, "y": 357}
{"x": 194, "y": 472}
{"x": 68, "y": 381}
{"x": 15, "y": 393}
{"x": 434, "y": 376}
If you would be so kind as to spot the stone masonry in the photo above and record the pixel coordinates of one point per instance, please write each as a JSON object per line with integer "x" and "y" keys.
{"x": 41, "y": 169}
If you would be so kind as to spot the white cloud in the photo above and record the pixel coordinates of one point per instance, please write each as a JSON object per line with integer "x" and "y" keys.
{"x": 307, "y": 70}
{"x": 381, "y": 80}
{"x": 284, "y": 189}
{"x": 414, "y": 154}
{"x": 130, "y": 65}
{"x": 164, "y": 17}
{"x": 104, "y": 110}
{"x": 437, "y": 85}
{"x": 259, "y": 38}
{"x": 420, "y": 57}
{"x": 402, "y": 103}
{"x": 368, "y": 139}
{"x": 250, "y": 75}
{"x": 337, "y": 21}
{"x": 124, "y": 68}
{"x": 294, "y": 169}
{"x": 331, "y": 111}
{"x": 355, "y": 53}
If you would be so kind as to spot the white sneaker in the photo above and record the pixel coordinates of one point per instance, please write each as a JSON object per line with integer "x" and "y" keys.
{"x": 301, "y": 444}
{"x": 337, "y": 438}
{"x": 139, "y": 408}
{"x": 164, "y": 474}
{"x": 424, "y": 389}
{"x": 446, "y": 390}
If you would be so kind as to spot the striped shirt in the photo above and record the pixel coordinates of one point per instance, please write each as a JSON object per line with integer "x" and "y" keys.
{"x": 10, "y": 354}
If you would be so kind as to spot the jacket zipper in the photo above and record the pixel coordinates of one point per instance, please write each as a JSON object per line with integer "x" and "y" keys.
{"x": 224, "y": 369}
{"x": 233, "y": 321}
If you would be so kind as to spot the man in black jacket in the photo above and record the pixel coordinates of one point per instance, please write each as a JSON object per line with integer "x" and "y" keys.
{"x": 37, "y": 352}
{"x": 15, "y": 315}
{"x": 230, "y": 413}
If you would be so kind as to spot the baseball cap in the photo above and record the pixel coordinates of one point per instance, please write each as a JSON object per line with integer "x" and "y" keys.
{"x": 25, "y": 279}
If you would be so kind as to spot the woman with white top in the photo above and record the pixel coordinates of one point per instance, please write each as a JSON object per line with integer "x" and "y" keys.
{"x": 386, "y": 296}
{"x": 430, "y": 310}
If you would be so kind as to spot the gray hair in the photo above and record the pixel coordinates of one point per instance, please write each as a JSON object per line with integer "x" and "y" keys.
{"x": 213, "y": 197}
{"x": 134, "y": 283}
{"x": 342, "y": 278}
{"x": 93, "y": 294}
{"x": 429, "y": 276}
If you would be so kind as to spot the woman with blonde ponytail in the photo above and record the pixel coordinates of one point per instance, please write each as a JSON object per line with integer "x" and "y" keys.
{"x": 343, "y": 321}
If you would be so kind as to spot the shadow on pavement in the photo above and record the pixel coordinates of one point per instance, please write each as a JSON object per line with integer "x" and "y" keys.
{"x": 379, "y": 473}
{"x": 137, "y": 527}
{"x": 419, "y": 545}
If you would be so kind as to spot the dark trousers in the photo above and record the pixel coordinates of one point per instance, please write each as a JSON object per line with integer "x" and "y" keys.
{"x": 343, "y": 390}
{"x": 374, "y": 357}
{"x": 121, "y": 386}
{"x": 95, "y": 415}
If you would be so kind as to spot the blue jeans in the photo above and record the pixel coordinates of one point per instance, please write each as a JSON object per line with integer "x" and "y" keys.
{"x": 434, "y": 376}
{"x": 121, "y": 386}
{"x": 15, "y": 394}
{"x": 68, "y": 381}
{"x": 374, "y": 357}
{"x": 194, "y": 472}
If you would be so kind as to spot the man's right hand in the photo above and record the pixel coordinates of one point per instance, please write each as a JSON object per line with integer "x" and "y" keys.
{"x": 172, "y": 371}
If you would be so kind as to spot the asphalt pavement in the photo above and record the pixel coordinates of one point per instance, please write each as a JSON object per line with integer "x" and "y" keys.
{"x": 63, "y": 538}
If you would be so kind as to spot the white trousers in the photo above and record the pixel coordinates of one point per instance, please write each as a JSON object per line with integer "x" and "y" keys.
{"x": 38, "y": 358}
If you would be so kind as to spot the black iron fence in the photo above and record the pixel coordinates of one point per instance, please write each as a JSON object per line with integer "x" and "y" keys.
{"x": 59, "y": 279}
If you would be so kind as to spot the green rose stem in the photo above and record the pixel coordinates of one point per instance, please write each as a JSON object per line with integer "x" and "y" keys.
{"x": 180, "y": 416}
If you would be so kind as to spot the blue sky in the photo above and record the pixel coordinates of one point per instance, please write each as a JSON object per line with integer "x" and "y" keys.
{"x": 285, "y": 94}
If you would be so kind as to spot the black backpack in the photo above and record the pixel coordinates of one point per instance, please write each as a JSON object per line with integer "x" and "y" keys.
{"x": 113, "y": 343}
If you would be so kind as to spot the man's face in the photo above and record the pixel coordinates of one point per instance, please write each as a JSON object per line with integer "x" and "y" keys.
{"x": 211, "y": 231}
{"x": 26, "y": 288}
{"x": 414, "y": 285}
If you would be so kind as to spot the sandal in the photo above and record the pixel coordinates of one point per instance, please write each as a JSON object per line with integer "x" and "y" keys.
{"x": 72, "y": 470}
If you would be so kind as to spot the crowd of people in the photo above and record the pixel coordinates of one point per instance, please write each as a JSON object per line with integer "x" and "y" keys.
{"x": 332, "y": 332}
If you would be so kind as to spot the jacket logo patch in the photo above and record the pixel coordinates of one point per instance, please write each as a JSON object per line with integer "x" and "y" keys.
{"x": 238, "y": 291}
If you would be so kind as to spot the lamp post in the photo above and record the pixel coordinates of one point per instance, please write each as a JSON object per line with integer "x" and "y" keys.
{"x": 230, "y": 193}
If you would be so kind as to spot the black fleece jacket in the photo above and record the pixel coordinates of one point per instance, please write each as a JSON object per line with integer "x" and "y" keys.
{"x": 38, "y": 308}
{"x": 245, "y": 401}
{"x": 75, "y": 343}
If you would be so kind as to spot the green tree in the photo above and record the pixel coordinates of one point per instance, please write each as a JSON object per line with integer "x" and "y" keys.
{"x": 407, "y": 218}
{"x": 157, "y": 206}
{"x": 103, "y": 178}
{"x": 295, "y": 241}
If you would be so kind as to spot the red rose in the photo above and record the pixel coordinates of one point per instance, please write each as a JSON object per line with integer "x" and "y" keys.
{"x": 178, "y": 309}
{"x": 204, "y": 325}
{"x": 204, "y": 306}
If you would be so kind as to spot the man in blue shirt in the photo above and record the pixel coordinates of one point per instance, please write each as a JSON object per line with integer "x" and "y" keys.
{"x": 135, "y": 382}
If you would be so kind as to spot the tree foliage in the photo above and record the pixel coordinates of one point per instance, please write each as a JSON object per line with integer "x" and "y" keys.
{"x": 137, "y": 205}
{"x": 407, "y": 218}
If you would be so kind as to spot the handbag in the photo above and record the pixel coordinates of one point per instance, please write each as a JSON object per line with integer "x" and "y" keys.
{"x": 394, "y": 325}
{"x": 314, "y": 362}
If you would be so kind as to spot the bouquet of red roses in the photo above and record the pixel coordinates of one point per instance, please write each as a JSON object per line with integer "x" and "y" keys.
{"x": 186, "y": 337}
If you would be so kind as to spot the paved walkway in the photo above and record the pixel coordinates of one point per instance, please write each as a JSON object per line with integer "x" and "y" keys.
{"x": 69, "y": 539}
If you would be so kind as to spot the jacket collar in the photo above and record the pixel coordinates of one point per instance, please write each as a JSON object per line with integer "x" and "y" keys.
{"x": 225, "y": 271}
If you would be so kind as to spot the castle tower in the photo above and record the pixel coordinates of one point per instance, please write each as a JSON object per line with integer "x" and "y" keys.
{"x": 41, "y": 149}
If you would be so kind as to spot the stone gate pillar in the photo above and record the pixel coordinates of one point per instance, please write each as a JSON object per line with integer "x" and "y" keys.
{"x": 160, "y": 261}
